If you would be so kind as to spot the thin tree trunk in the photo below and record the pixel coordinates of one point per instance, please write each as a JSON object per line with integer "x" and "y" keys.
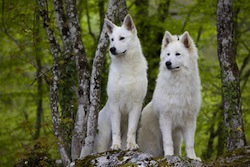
{"x": 39, "y": 109}
{"x": 68, "y": 75}
{"x": 101, "y": 13}
{"x": 63, "y": 27}
{"x": 83, "y": 78}
{"x": 88, "y": 95}
{"x": 97, "y": 67}
{"x": 55, "y": 50}
{"x": 235, "y": 137}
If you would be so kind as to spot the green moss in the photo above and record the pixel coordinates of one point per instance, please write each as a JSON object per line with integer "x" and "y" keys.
{"x": 238, "y": 157}
{"x": 128, "y": 165}
{"x": 86, "y": 161}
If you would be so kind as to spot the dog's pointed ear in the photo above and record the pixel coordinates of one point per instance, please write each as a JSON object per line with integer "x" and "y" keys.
{"x": 185, "y": 39}
{"x": 109, "y": 26}
{"x": 129, "y": 24}
{"x": 166, "y": 39}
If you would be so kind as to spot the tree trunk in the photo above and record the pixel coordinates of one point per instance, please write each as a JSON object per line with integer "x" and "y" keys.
{"x": 233, "y": 122}
{"x": 55, "y": 51}
{"x": 83, "y": 77}
{"x": 89, "y": 88}
{"x": 112, "y": 10}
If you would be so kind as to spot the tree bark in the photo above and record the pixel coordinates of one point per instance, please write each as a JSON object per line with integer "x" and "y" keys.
{"x": 83, "y": 78}
{"x": 234, "y": 129}
{"x": 55, "y": 51}
{"x": 63, "y": 27}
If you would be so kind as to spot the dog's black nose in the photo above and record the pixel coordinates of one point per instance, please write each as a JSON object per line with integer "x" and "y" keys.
{"x": 113, "y": 50}
{"x": 168, "y": 64}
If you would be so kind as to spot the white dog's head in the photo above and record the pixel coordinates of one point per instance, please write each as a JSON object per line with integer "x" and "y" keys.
{"x": 121, "y": 38}
{"x": 177, "y": 51}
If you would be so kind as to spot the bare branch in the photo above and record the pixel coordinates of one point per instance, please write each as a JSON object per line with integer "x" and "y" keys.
{"x": 246, "y": 59}
{"x": 89, "y": 24}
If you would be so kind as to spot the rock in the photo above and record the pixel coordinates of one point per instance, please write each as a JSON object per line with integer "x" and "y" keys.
{"x": 116, "y": 158}
{"x": 177, "y": 161}
{"x": 239, "y": 157}
{"x": 133, "y": 158}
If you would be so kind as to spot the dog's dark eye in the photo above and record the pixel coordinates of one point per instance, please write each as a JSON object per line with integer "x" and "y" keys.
{"x": 168, "y": 54}
{"x": 122, "y": 38}
{"x": 177, "y": 54}
{"x": 112, "y": 39}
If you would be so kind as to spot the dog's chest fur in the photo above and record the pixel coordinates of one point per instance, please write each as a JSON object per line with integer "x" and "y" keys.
{"x": 177, "y": 96}
{"x": 127, "y": 79}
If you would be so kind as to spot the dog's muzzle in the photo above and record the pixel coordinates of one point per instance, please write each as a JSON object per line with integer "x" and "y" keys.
{"x": 170, "y": 67}
{"x": 113, "y": 50}
{"x": 168, "y": 64}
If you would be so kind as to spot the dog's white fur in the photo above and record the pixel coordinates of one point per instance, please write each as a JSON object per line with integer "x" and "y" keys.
{"x": 171, "y": 115}
{"x": 127, "y": 87}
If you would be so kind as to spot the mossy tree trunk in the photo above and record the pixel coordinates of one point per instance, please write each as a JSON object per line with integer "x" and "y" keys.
{"x": 233, "y": 122}
{"x": 69, "y": 46}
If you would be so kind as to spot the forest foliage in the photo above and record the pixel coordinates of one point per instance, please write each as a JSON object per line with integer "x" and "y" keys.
{"x": 26, "y": 62}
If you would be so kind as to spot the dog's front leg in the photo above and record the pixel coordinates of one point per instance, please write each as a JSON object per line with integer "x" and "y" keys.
{"x": 188, "y": 133}
{"x": 166, "y": 129}
{"x": 116, "y": 126}
{"x": 134, "y": 116}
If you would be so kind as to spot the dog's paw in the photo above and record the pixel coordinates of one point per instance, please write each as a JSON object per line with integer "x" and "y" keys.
{"x": 132, "y": 146}
{"x": 115, "y": 147}
{"x": 197, "y": 158}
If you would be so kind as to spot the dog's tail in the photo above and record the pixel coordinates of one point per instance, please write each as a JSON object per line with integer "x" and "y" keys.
{"x": 149, "y": 135}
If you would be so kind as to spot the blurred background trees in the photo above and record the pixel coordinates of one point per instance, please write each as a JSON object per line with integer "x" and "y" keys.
{"x": 26, "y": 69}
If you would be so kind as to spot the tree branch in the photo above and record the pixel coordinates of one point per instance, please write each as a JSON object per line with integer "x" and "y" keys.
{"x": 89, "y": 24}
{"x": 63, "y": 27}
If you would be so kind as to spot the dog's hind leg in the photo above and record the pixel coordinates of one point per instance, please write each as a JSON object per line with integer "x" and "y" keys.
{"x": 103, "y": 136}
{"x": 149, "y": 135}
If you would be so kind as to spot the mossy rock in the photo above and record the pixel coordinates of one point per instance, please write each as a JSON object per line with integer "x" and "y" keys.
{"x": 239, "y": 157}
{"x": 134, "y": 159}
{"x": 114, "y": 158}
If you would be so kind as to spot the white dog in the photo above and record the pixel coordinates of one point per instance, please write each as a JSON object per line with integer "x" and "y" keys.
{"x": 171, "y": 115}
{"x": 127, "y": 87}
